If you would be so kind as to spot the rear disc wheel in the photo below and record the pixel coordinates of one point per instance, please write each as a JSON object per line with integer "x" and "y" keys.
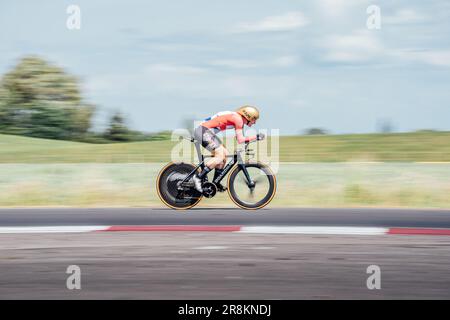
{"x": 168, "y": 183}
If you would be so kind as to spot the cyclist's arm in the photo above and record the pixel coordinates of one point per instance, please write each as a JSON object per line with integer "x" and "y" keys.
{"x": 241, "y": 138}
{"x": 238, "y": 125}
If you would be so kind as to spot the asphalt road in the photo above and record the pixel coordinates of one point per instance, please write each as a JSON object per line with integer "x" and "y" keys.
{"x": 179, "y": 265}
{"x": 214, "y": 265}
{"x": 227, "y": 216}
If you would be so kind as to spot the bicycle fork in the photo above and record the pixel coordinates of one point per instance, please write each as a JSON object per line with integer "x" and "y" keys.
{"x": 250, "y": 182}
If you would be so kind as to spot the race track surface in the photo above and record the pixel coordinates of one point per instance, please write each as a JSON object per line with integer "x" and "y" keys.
{"x": 228, "y": 216}
{"x": 217, "y": 265}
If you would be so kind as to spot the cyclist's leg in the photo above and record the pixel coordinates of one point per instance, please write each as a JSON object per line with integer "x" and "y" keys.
{"x": 218, "y": 152}
{"x": 219, "y": 158}
{"x": 212, "y": 143}
{"x": 218, "y": 161}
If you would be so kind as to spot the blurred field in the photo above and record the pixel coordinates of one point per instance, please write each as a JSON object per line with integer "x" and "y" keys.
{"x": 341, "y": 170}
{"x": 306, "y": 184}
{"x": 399, "y": 147}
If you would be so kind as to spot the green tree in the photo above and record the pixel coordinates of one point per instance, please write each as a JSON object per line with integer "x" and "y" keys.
{"x": 315, "y": 131}
{"x": 5, "y": 112}
{"x": 41, "y": 100}
{"x": 385, "y": 126}
{"x": 117, "y": 129}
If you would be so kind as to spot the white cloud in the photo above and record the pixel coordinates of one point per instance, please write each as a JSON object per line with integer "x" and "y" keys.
{"x": 235, "y": 63}
{"x": 289, "y": 21}
{"x": 359, "y": 46}
{"x": 282, "y": 61}
{"x": 335, "y": 8}
{"x": 285, "y": 61}
{"x": 437, "y": 58}
{"x": 171, "y": 68}
{"x": 238, "y": 86}
{"x": 160, "y": 77}
{"x": 186, "y": 81}
{"x": 109, "y": 83}
{"x": 403, "y": 16}
{"x": 297, "y": 103}
{"x": 432, "y": 57}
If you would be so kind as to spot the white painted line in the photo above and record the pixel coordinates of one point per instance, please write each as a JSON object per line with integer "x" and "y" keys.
{"x": 316, "y": 230}
{"x": 211, "y": 248}
{"x": 52, "y": 229}
{"x": 433, "y": 162}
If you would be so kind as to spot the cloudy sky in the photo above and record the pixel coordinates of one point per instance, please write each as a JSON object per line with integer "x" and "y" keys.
{"x": 304, "y": 63}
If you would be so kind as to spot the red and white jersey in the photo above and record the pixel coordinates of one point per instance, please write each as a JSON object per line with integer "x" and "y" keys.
{"x": 224, "y": 120}
{"x": 227, "y": 120}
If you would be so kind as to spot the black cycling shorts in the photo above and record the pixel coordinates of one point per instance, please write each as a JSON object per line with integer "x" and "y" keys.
{"x": 207, "y": 138}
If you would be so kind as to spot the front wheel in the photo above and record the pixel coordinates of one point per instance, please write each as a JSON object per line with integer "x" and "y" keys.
{"x": 251, "y": 185}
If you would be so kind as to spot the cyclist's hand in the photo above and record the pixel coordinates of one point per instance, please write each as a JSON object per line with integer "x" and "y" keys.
{"x": 260, "y": 136}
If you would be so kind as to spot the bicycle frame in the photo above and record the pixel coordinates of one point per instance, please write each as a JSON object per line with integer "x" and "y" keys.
{"x": 236, "y": 158}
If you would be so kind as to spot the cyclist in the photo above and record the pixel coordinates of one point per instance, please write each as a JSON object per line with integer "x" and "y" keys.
{"x": 206, "y": 134}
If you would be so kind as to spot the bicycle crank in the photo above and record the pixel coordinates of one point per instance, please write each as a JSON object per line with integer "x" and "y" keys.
{"x": 209, "y": 189}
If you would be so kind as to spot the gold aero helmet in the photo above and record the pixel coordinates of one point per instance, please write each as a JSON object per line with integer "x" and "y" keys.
{"x": 248, "y": 112}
